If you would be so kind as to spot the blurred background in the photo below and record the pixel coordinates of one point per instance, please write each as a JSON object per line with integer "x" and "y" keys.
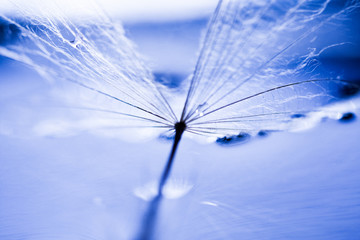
{"x": 85, "y": 186}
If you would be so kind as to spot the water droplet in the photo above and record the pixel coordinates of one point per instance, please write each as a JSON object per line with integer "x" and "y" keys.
{"x": 199, "y": 111}
{"x": 298, "y": 115}
{"x": 347, "y": 117}
{"x": 230, "y": 140}
{"x": 263, "y": 133}
{"x": 76, "y": 42}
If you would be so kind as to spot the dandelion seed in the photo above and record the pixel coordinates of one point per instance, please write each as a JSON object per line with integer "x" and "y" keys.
{"x": 257, "y": 69}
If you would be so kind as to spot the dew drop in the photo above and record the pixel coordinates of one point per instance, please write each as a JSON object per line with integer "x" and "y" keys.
{"x": 199, "y": 113}
{"x": 234, "y": 139}
{"x": 347, "y": 117}
{"x": 76, "y": 42}
{"x": 200, "y": 109}
{"x": 297, "y": 115}
{"x": 263, "y": 133}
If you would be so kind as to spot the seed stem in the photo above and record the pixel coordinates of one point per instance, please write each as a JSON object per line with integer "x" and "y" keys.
{"x": 179, "y": 130}
{"x": 150, "y": 217}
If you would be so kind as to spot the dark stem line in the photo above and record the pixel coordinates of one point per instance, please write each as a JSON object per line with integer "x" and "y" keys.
{"x": 149, "y": 220}
{"x": 179, "y": 130}
{"x": 148, "y": 224}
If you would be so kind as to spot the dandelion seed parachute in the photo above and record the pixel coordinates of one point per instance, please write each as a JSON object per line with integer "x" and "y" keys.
{"x": 258, "y": 67}
{"x": 249, "y": 48}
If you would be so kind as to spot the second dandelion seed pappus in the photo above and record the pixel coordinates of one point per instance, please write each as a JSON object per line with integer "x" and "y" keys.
{"x": 258, "y": 70}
